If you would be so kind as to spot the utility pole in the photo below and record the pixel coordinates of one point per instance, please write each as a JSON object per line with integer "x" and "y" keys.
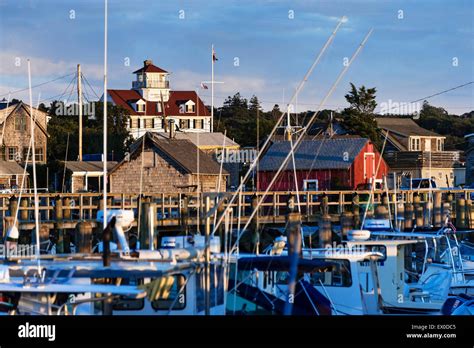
{"x": 79, "y": 100}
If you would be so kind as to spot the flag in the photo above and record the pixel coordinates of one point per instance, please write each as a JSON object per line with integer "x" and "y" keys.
{"x": 203, "y": 86}
{"x": 214, "y": 58}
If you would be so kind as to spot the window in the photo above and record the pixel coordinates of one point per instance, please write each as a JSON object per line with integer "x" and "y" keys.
{"x": 190, "y": 107}
{"x": 310, "y": 185}
{"x": 198, "y": 124}
{"x": 173, "y": 296}
{"x": 415, "y": 144}
{"x": 140, "y": 107}
{"x": 184, "y": 124}
{"x": 20, "y": 123}
{"x": 148, "y": 123}
{"x": 12, "y": 153}
{"x": 339, "y": 276}
{"x": 134, "y": 123}
{"x": 439, "y": 144}
{"x": 39, "y": 155}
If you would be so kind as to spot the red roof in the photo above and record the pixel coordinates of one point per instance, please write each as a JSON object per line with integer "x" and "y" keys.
{"x": 149, "y": 67}
{"x": 124, "y": 98}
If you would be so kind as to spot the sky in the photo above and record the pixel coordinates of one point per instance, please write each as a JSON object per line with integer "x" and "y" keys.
{"x": 264, "y": 48}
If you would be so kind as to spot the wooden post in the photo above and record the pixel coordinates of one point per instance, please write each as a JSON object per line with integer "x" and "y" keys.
{"x": 356, "y": 210}
{"x": 83, "y": 237}
{"x": 144, "y": 225}
{"x": 59, "y": 232}
{"x": 346, "y": 224}
{"x": 13, "y": 206}
{"x": 381, "y": 212}
{"x": 461, "y": 213}
{"x": 437, "y": 209}
{"x": 24, "y": 213}
{"x": 220, "y": 229}
{"x": 43, "y": 236}
{"x": 418, "y": 211}
{"x": 400, "y": 218}
{"x": 408, "y": 216}
{"x": 325, "y": 231}
{"x": 67, "y": 208}
{"x": 470, "y": 213}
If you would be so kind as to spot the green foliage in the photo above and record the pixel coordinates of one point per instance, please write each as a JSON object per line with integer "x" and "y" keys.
{"x": 60, "y": 127}
{"x": 454, "y": 127}
{"x": 239, "y": 117}
{"x": 359, "y": 117}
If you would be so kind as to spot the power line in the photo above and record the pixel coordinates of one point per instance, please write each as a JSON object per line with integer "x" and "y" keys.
{"x": 38, "y": 85}
{"x": 448, "y": 90}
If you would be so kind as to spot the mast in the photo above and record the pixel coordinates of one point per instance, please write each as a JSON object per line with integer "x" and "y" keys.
{"x": 33, "y": 161}
{"x": 105, "y": 116}
{"x": 212, "y": 89}
{"x": 79, "y": 100}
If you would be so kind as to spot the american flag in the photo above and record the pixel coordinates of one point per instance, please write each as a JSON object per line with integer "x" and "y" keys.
{"x": 214, "y": 58}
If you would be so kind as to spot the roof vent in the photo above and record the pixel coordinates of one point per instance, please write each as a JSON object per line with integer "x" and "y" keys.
{"x": 148, "y": 62}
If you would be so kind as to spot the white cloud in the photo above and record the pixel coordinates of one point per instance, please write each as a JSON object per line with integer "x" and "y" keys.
{"x": 15, "y": 63}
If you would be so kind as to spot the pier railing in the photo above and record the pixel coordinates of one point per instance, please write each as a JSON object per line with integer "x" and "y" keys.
{"x": 171, "y": 208}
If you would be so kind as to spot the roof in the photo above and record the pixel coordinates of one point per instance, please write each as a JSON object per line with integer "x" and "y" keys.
{"x": 183, "y": 152}
{"x": 6, "y": 112}
{"x": 89, "y": 166}
{"x": 403, "y": 126}
{"x": 124, "y": 98}
{"x": 148, "y": 67}
{"x": 204, "y": 140}
{"x": 10, "y": 168}
{"x": 314, "y": 154}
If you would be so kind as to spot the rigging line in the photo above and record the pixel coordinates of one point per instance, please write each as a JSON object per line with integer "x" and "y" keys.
{"x": 298, "y": 141}
{"x": 372, "y": 189}
{"x": 90, "y": 87}
{"x": 38, "y": 85}
{"x": 72, "y": 90}
{"x": 65, "y": 162}
{"x": 267, "y": 141}
{"x": 67, "y": 88}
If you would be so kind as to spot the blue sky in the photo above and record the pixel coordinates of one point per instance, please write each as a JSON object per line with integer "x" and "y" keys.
{"x": 406, "y": 59}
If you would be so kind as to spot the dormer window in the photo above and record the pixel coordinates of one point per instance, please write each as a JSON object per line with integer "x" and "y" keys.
{"x": 190, "y": 106}
{"x": 140, "y": 106}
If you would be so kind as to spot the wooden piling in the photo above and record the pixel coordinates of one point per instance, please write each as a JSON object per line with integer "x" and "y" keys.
{"x": 58, "y": 230}
{"x": 418, "y": 211}
{"x": 83, "y": 237}
{"x": 13, "y": 205}
{"x": 437, "y": 209}
{"x": 400, "y": 218}
{"x": 144, "y": 222}
{"x": 325, "y": 231}
{"x": 461, "y": 213}
{"x": 24, "y": 213}
{"x": 67, "y": 208}
{"x": 43, "y": 238}
{"x": 356, "y": 210}
{"x": 347, "y": 224}
{"x": 408, "y": 216}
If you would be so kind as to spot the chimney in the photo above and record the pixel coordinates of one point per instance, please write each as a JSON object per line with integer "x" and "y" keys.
{"x": 171, "y": 128}
{"x": 148, "y": 62}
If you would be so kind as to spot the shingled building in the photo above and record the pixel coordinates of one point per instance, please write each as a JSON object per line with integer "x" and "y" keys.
{"x": 166, "y": 165}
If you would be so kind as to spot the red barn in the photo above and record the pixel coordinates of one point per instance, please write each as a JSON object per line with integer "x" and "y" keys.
{"x": 322, "y": 164}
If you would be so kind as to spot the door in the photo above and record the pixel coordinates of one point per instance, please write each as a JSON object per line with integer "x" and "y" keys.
{"x": 369, "y": 165}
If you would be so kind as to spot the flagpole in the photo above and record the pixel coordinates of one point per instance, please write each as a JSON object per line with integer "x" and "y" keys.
{"x": 105, "y": 119}
{"x": 212, "y": 89}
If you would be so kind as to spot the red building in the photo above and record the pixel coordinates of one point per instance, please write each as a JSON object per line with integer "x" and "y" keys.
{"x": 322, "y": 164}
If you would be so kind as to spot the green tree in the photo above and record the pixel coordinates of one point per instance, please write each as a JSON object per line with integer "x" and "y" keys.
{"x": 359, "y": 117}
